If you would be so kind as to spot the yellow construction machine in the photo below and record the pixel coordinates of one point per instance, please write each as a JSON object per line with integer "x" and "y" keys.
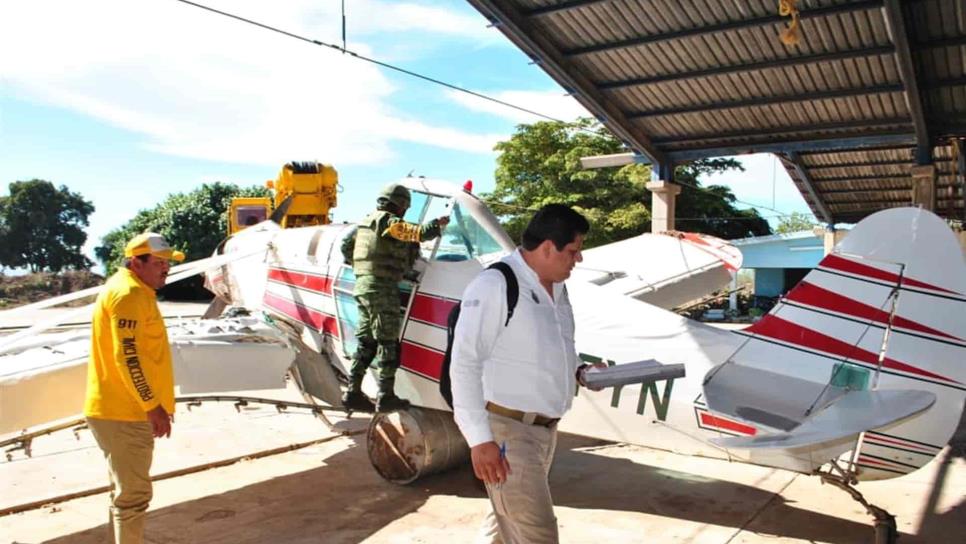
{"x": 303, "y": 194}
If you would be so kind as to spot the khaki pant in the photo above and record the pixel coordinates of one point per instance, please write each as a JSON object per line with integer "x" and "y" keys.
{"x": 128, "y": 447}
{"x": 521, "y": 509}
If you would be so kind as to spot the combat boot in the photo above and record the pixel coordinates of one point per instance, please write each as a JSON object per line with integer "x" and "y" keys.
{"x": 389, "y": 402}
{"x": 354, "y": 400}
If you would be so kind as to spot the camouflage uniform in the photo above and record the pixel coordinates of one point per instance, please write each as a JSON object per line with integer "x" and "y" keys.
{"x": 382, "y": 251}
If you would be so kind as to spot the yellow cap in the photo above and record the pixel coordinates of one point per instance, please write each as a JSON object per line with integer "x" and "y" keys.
{"x": 152, "y": 243}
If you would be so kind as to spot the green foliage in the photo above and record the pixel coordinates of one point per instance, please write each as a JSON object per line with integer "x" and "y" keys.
{"x": 194, "y": 222}
{"x": 711, "y": 209}
{"x": 42, "y": 227}
{"x": 795, "y": 222}
{"x": 540, "y": 164}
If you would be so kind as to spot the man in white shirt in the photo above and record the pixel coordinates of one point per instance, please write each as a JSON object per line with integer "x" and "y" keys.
{"x": 513, "y": 380}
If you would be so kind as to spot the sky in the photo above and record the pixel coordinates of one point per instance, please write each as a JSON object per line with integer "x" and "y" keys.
{"x": 127, "y": 102}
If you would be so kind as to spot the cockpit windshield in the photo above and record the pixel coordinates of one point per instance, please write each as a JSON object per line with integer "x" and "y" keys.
{"x": 464, "y": 238}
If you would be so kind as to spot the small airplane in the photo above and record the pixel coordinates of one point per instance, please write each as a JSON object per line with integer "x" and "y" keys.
{"x": 857, "y": 374}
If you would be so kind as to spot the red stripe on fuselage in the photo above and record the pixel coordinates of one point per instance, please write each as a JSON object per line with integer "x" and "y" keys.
{"x": 319, "y": 321}
{"x": 421, "y": 360}
{"x": 846, "y": 265}
{"x": 302, "y": 280}
{"x": 431, "y": 309}
{"x": 813, "y": 295}
{"x": 726, "y": 424}
{"x": 793, "y": 333}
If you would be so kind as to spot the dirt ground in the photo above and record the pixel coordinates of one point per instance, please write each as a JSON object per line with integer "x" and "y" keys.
{"x": 26, "y": 288}
{"x": 327, "y": 492}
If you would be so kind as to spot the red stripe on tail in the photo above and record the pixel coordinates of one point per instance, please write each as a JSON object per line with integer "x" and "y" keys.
{"x": 813, "y": 295}
{"x": 836, "y": 262}
{"x": 793, "y": 333}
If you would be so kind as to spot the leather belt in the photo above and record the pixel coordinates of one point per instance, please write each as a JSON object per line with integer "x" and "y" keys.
{"x": 530, "y": 418}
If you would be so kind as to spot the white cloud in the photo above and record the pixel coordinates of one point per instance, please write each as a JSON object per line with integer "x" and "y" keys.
{"x": 554, "y": 104}
{"x": 372, "y": 16}
{"x": 197, "y": 84}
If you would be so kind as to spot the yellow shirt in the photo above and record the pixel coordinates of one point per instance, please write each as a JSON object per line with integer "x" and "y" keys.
{"x": 129, "y": 371}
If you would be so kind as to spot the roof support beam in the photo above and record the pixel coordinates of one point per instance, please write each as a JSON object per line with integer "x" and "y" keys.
{"x": 539, "y": 47}
{"x": 954, "y": 82}
{"x": 825, "y": 11}
{"x": 750, "y": 67}
{"x": 874, "y": 177}
{"x": 910, "y": 147}
{"x": 863, "y": 203}
{"x": 817, "y": 204}
{"x": 942, "y": 42}
{"x": 848, "y": 179}
{"x": 865, "y": 164}
{"x": 896, "y": 24}
{"x": 863, "y": 191}
{"x": 889, "y": 141}
{"x": 562, "y": 6}
{"x": 877, "y": 190}
{"x": 753, "y": 133}
{"x": 764, "y": 101}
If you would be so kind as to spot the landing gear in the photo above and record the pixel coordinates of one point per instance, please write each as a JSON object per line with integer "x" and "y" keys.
{"x": 884, "y": 525}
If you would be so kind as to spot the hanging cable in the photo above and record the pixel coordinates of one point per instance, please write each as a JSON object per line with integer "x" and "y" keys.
{"x": 372, "y": 60}
{"x": 417, "y": 75}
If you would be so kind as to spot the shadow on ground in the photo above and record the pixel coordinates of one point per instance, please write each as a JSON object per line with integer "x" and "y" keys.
{"x": 344, "y": 501}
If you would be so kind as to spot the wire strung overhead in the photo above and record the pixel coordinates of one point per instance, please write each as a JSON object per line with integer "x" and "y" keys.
{"x": 344, "y": 50}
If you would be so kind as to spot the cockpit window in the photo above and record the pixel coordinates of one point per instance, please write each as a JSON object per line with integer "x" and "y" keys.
{"x": 464, "y": 238}
{"x": 417, "y": 207}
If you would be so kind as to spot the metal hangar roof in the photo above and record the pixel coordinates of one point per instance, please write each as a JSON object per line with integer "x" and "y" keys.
{"x": 873, "y": 87}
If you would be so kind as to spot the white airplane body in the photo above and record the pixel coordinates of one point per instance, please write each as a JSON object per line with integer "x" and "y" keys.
{"x": 830, "y": 327}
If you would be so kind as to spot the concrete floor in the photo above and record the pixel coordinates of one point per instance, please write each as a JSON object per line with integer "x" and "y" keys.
{"x": 327, "y": 492}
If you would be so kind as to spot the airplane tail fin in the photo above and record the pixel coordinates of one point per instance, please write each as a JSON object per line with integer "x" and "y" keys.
{"x": 884, "y": 313}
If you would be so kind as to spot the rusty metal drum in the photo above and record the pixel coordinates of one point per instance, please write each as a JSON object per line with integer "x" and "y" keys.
{"x": 406, "y": 445}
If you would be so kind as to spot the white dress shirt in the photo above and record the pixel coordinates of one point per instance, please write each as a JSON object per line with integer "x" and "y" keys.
{"x": 528, "y": 365}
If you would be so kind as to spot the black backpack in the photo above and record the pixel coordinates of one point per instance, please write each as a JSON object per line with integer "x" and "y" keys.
{"x": 512, "y": 294}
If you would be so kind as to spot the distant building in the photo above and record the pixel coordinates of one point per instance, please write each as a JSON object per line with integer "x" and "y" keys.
{"x": 780, "y": 261}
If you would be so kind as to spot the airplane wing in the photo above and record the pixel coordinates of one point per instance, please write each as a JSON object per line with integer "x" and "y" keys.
{"x": 666, "y": 270}
{"x": 178, "y": 273}
{"x": 46, "y": 383}
{"x": 851, "y": 414}
{"x": 42, "y": 377}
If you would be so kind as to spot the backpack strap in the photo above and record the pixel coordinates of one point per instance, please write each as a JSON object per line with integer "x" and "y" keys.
{"x": 512, "y": 287}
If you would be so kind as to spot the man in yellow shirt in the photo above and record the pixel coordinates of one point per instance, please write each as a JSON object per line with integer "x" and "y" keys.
{"x": 130, "y": 381}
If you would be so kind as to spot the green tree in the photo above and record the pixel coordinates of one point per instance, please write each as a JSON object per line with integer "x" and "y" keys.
{"x": 194, "y": 222}
{"x": 540, "y": 164}
{"x": 795, "y": 222}
{"x": 42, "y": 227}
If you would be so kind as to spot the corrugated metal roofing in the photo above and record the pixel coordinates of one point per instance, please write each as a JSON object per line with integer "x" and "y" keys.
{"x": 846, "y": 108}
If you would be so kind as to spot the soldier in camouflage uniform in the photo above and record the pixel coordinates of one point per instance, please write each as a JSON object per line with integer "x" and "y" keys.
{"x": 381, "y": 251}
